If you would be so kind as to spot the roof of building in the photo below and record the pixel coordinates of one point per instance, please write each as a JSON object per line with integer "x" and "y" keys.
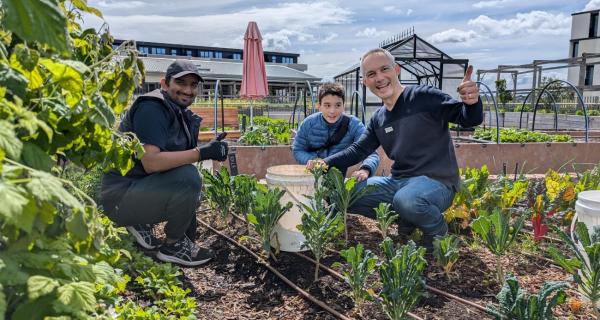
{"x": 189, "y": 46}
{"x": 229, "y": 70}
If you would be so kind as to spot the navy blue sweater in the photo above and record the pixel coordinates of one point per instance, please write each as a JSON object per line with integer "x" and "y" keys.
{"x": 414, "y": 135}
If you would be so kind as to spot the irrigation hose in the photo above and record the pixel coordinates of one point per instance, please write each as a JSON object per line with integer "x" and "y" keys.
{"x": 303, "y": 293}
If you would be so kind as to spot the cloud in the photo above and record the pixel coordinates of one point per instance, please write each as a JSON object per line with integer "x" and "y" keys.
{"x": 593, "y": 4}
{"x": 371, "y": 33}
{"x": 538, "y": 22}
{"x": 280, "y": 25}
{"x": 120, "y": 5}
{"x": 397, "y": 11}
{"x": 490, "y": 4}
{"x": 453, "y": 36}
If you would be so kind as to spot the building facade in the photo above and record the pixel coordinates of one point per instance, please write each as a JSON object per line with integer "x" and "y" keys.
{"x": 284, "y": 74}
{"x": 585, "y": 40}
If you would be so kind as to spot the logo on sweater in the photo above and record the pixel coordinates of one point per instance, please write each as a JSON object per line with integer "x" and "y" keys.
{"x": 389, "y": 129}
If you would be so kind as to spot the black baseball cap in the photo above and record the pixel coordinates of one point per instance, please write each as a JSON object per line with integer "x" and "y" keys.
{"x": 180, "y": 68}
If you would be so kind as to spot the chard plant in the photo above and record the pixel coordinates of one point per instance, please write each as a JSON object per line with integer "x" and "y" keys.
{"x": 219, "y": 191}
{"x": 514, "y": 303}
{"x": 243, "y": 188}
{"x": 342, "y": 193}
{"x": 401, "y": 278}
{"x": 266, "y": 211}
{"x": 446, "y": 252}
{"x": 495, "y": 231}
{"x": 320, "y": 225}
{"x": 585, "y": 263}
{"x": 385, "y": 217}
{"x": 361, "y": 265}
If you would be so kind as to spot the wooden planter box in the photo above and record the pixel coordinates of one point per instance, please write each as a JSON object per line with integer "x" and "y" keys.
{"x": 531, "y": 157}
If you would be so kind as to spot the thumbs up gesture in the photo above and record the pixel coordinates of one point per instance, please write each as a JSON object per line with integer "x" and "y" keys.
{"x": 468, "y": 90}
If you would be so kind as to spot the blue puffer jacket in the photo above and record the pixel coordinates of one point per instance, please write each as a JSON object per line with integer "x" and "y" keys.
{"x": 314, "y": 132}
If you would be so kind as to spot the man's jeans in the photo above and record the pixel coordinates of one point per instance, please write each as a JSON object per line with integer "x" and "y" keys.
{"x": 418, "y": 201}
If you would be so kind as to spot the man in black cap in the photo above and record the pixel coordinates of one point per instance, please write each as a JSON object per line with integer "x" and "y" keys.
{"x": 164, "y": 185}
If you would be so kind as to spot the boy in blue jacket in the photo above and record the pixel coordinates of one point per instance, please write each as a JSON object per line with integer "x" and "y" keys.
{"x": 330, "y": 131}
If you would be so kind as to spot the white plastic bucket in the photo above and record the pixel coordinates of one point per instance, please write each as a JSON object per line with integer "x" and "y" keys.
{"x": 296, "y": 182}
{"x": 587, "y": 208}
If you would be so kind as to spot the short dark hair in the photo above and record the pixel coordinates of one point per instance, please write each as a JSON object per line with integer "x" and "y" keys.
{"x": 332, "y": 88}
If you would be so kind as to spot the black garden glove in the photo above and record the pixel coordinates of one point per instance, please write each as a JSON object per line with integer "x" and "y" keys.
{"x": 216, "y": 150}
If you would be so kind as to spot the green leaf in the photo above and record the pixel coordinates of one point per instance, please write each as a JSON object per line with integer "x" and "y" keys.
{"x": 14, "y": 81}
{"x": 38, "y": 286}
{"x": 35, "y": 157}
{"x": 77, "y": 226}
{"x": 36, "y": 309}
{"x": 82, "y": 5}
{"x": 26, "y": 219}
{"x": 78, "y": 296}
{"x": 252, "y": 219}
{"x": 37, "y": 20}
{"x": 3, "y": 305}
{"x": 25, "y": 62}
{"x": 13, "y": 203}
{"x": 8, "y": 140}
{"x": 46, "y": 187}
{"x": 102, "y": 114}
{"x": 67, "y": 74}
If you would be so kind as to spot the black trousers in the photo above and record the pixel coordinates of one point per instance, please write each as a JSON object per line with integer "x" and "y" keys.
{"x": 172, "y": 196}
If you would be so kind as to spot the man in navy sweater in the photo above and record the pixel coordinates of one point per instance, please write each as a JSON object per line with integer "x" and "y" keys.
{"x": 412, "y": 129}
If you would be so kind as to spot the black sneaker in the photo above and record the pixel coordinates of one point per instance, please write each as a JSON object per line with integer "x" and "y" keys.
{"x": 144, "y": 235}
{"x": 184, "y": 252}
{"x": 426, "y": 240}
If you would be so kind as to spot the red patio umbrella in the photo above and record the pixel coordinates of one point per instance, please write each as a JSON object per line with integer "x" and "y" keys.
{"x": 254, "y": 76}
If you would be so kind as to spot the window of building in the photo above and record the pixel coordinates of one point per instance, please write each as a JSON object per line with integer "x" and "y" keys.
{"x": 158, "y": 50}
{"x": 173, "y": 52}
{"x": 575, "y": 51}
{"x": 237, "y": 56}
{"x": 589, "y": 75}
{"x": 144, "y": 50}
{"x": 273, "y": 58}
{"x": 594, "y": 25}
{"x": 287, "y": 60}
{"x": 218, "y": 54}
{"x": 206, "y": 54}
{"x": 188, "y": 53}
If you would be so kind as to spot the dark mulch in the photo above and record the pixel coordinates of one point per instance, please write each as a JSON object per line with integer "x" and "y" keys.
{"x": 234, "y": 286}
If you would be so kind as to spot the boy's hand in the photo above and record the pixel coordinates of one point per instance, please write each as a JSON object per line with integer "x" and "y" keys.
{"x": 361, "y": 175}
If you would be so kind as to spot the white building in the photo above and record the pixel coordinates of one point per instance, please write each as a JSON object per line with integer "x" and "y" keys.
{"x": 585, "y": 39}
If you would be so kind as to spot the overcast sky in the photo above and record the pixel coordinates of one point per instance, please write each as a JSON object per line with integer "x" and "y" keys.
{"x": 331, "y": 35}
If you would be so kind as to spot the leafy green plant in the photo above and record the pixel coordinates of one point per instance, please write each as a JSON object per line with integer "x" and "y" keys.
{"x": 61, "y": 88}
{"x": 342, "y": 193}
{"x": 510, "y": 135}
{"x": 495, "y": 231}
{"x": 266, "y": 131}
{"x": 361, "y": 265}
{"x": 385, "y": 217}
{"x": 243, "y": 188}
{"x": 516, "y": 304}
{"x": 474, "y": 184}
{"x": 266, "y": 211}
{"x": 401, "y": 278}
{"x": 585, "y": 263}
{"x": 446, "y": 251}
{"x": 320, "y": 225}
{"x": 218, "y": 191}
